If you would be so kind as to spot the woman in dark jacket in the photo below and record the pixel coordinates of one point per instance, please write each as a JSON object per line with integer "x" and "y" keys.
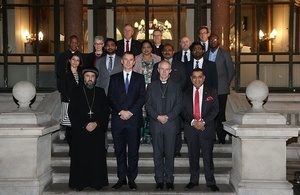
{"x": 70, "y": 79}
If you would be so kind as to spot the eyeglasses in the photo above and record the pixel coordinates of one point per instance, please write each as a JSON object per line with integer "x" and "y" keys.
{"x": 213, "y": 40}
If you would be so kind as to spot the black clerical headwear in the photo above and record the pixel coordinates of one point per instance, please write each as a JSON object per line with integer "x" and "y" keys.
{"x": 90, "y": 69}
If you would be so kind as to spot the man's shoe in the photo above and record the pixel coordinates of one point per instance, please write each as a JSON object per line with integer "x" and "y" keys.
{"x": 132, "y": 185}
{"x": 119, "y": 184}
{"x": 177, "y": 154}
{"x": 160, "y": 186}
{"x": 170, "y": 186}
{"x": 78, "y": 189}
{"x": 190, "y": 186}
{"x": 222, "y": 141}
{"x": 213, "y": 188}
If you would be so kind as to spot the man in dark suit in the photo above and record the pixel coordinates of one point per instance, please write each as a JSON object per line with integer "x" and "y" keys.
{"x": 209, "y": 68}
{"x": 128, "y": 43}
{"x": 164, "y": 103}
{"x": 108, "y": 64}
{"x": 200, "y": 107}
{"x": 126, "y": 94}
{"x": 178, "y": 75}
{"x": 225, "y": 71}
{"x": 184, "y": 55}
{"x": 157, "y": 43}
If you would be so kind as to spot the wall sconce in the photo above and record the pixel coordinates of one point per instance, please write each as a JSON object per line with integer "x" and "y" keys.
{"x": 31, "y": 38}
{"x": 264, "y": 37}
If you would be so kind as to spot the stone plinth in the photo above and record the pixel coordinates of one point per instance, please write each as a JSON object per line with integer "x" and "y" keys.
{"x": 25, "y": 144}
{"x": 259, "y": 148}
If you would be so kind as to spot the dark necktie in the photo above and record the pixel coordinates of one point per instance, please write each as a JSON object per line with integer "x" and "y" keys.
{"x": 110, "y": 65}
{"x": 127, "y": 46}
{"x": 127, "y": 83}
{"x": 197, "y": 64}
{"x": 185, "y": 57}
{"x": 204, "y": 46}
{"x": 197, "y": 115}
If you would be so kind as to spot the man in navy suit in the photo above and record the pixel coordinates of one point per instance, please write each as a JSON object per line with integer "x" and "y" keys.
{"x": 133, "y": 45}
{"x": 184, "y": 55}
{"x": 209, "y": 68}
{"x": 126, "y": 94}
{"x": 200, "y": 107}
{"x": 164, "y": 101}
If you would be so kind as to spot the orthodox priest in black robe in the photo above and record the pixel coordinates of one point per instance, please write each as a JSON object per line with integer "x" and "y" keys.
{"x": 89, "y": 114}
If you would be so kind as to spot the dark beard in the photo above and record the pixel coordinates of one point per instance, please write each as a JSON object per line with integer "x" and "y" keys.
{"x": 89, "y": 86}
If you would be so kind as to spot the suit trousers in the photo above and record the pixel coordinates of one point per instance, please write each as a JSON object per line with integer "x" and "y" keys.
{"x": 221, "y": 133}
{"x": 195, "y": 143}
{"x": 163, "y": 142}
{"x": 123, "y": 137}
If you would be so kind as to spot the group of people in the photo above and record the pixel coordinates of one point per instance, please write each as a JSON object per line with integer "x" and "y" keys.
{"x": 127, "y": 79}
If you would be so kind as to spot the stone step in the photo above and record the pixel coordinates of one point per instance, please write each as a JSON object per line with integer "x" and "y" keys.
{"x": 146, "y": 175}
{"x": 142, "y": 189}
{"x": 62, "y": 146}
{"x": 146, "y": 160}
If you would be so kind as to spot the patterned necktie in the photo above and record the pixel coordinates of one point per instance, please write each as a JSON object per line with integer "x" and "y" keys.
{"x": 197, "y": 115}
{"x": 127, "y": 46}
{"x": 110, "y": 65}
{"x": 197, "y": 64}
{"x": 185, "y": 57}
{"x": 127, "y": 83}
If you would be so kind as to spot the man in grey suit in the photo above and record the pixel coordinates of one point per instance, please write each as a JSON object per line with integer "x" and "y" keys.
{"x": 225, "y": 72}
{"x": 163, "y": 105}
{"x": 108, "y": 65}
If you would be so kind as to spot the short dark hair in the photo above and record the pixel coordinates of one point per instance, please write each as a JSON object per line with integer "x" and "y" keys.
{"x": 198, "y": 70}
{"x": 128, "y": 52}
{"x": 203, "y": 27}
{"x": 196, "y": 43}
{"x": 146, "y": 41}
{"x": 168, "y": 44}
{"x": 110, "y": 39}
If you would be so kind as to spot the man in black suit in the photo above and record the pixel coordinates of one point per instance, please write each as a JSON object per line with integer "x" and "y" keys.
{"x": 209, "y": 68}
{"x": 157, "y": 43}
{"x": 126, "y": 94}
{"x": 178, "y": 75}
{"x": 200, "y": 107}
{"x": 128, "y": 43}
{"x": 164, "y": 103}
{"x": 184, "y": 55}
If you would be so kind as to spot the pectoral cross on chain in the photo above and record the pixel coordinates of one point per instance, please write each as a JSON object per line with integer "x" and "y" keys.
{"x": 90, "y": 113}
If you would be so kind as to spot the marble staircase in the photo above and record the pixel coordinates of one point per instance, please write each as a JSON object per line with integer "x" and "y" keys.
{"x": 145, "y": 180}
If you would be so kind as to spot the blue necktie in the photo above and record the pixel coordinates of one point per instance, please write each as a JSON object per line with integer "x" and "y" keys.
{"x": 127, "y": 83}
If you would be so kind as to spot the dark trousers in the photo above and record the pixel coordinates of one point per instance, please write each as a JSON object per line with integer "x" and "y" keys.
{"x": 127, "y": 137}
{"x": 221, "y": 133}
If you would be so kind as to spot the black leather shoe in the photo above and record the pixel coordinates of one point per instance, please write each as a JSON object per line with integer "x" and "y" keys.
{"x": 177, "y": 154}
{"x": 78, "y": 189}
{"x": 190, "y": 186}
{"x": 119, "y": 184}
{"x": 132, "y": 185}
{"x": 213, "y": 188}
{"x": 160, "y": 186}
{"x": 222, "y": 141}
{"x": 98, "y": 188}
{"x": 170, "y": 186}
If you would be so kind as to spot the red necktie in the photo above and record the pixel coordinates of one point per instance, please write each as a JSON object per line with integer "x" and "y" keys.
{"x": 197, "y": 105}
{"x": 127, "y": 45}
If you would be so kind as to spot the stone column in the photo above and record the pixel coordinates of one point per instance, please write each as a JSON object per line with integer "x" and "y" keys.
{"x": 220, "y": 20}
{"x": 73, "y": 21}
{"x": 25, "y": 143}
{"x": 259, "y": 147}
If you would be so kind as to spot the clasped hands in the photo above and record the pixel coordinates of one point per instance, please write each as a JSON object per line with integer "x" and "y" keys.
{"x": 125, "y": 114}
{"x": 199, "y": 125}
{"x": 91, "y": 126}
{"x": 162, "y": 119}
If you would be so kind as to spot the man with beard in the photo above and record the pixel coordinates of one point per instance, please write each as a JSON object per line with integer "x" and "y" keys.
{"x": 108, "y": 65}
{"x": 89, "y": 115}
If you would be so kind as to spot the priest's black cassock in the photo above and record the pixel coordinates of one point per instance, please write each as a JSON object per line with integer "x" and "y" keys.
{"x": 88, "y": 157}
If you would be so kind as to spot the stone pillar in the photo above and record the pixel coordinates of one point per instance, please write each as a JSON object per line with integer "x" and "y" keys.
{"x": 25, "y": 144}
{"x": 73, "y": 21}
{"x": 220, "y": 21}
{"x": 259, "y": 147}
